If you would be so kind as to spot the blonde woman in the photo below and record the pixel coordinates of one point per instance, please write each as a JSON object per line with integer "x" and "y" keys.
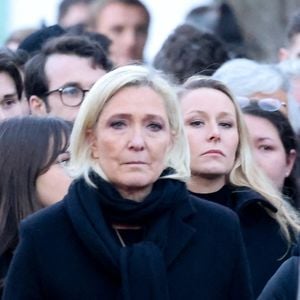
{"x": 223, "y": 171}
{"x": 128, "y": 228}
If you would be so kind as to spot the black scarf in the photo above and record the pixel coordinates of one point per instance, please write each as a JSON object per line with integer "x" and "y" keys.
{"x": 142, "y": 266}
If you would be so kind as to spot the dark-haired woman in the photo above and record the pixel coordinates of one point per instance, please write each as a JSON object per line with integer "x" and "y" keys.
{"x": 32, "y": 151}
{"x": 274, "y": 146}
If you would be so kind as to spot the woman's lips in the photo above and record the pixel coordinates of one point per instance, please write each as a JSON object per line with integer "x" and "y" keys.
{"x": 213, "y": 151}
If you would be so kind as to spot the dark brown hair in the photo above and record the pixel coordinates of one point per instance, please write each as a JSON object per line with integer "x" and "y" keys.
{"x": 9, "y": 64}
{"x": 189, "y": 51}
{"x": 28, "y": 147}
{"x": 289, "y": 141}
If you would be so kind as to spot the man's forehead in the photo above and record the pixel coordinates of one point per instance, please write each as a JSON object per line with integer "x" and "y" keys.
{"x": 61, "y": 69}
{"x": 122, "y": 10}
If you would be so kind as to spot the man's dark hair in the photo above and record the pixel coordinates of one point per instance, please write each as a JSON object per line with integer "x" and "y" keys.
{"x": 33, "y": 43}
{"x": 36, "y": 82}
{"x": 65, "y": 5}
{"x": 221, "y": 21}
{"x": 80, "y": 29}
{"x": 293, "y": 27}
{"x": 11, "y": 64}
{"x": 189, "y": 51}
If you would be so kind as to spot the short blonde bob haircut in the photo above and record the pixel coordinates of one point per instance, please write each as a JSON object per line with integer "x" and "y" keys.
{"x": 245, "y": 171}
{"x": 82, "y": 162}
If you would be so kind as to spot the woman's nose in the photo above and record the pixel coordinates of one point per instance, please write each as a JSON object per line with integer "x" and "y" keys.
{"x": 137, "y": 140}
{"x": 214, "y": 133}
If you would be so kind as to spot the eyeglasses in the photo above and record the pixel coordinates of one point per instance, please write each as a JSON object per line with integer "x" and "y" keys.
{"x": 267, "y": 104}
{"x": 70, "y": 95}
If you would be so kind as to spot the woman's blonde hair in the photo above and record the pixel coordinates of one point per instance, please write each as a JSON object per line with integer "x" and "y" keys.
{"x": 245, "y": 171}
{"x": 82, "y": 162}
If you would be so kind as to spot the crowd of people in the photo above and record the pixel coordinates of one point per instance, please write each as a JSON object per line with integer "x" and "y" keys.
{"x": 124, "y": 179}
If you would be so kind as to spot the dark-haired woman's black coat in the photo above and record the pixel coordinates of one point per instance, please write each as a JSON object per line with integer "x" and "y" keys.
{"x": 5, "y": 260}
{"x": 204, "y": 248}
{"x": 284, "y": 283}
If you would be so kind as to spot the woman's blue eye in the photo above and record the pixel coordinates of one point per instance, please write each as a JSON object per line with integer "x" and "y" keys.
{"x": 265, "y": 148}
{"x": 226, "y": 124}
{"x": 117, "y": 124}
{"x": 196, "y": 123}
{"x": 155, "y": 126}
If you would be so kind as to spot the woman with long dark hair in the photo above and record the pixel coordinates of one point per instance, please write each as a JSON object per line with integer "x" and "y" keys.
{"x": 274, "y": 146}
{"x": 31, "y": 175}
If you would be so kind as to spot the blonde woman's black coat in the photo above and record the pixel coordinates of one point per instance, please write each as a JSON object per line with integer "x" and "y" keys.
{"x": 57, "y": 258}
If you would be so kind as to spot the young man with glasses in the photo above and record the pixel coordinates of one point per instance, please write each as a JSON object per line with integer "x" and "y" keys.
{"x": 59, "y": 76}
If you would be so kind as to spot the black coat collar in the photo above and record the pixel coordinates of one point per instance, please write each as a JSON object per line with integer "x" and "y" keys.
{"x": 245, "y": 198}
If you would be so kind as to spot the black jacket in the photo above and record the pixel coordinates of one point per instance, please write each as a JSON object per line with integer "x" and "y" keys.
{"x": 265, "y": 245}
{"x": 204, "y": 248}
{"x": 284, "y": 283}
{"x": 5, "y": 260}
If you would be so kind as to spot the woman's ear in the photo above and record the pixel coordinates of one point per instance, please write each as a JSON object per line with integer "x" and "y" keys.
{"x": 290, "y": 161}
{"x": 92, "y": 142}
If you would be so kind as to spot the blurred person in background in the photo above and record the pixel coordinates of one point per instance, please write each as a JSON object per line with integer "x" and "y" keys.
{"x": 248, "y": 78}
{"x": 224, "y": 171}
{"x": 32, "y": 153}
{"x": 33, "y": 43}
{"x": 59, "y": 76}
{"x": 12, "y": 100}
{"x": 219, "y": 19}
{"x": 292, "y": 47}
{"x": 189, "y": 51}
{"x": 290, "y": 65}
{"x": 291, "y": 69}
{"x": 103, "y": 41}
{"x": 126, "y": 24}
{"x": 74, "y": 12}
{"x": 16, "y": 37}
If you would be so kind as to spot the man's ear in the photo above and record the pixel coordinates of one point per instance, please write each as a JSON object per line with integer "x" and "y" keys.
{"x": 283, "y": 54}
{"x": 37, "y": 106}
{"x": 92, "y": 141}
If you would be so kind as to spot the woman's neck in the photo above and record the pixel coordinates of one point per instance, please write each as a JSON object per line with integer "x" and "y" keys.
{"x": 135, "y": 194}
{"x": 205, "y": 185}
